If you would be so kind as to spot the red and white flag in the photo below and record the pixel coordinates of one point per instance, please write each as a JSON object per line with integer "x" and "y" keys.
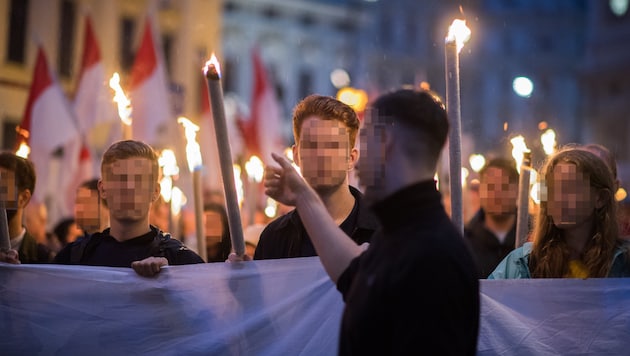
{"x": 263, "y": 131}
{"x": 149, "y": 91}
{"x": 49, "y": 119}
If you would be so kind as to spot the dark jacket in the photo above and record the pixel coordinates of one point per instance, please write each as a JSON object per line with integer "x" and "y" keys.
{"x": 414, "y": 291}
{"x": 33, "y": 252}
{"x": 486, "y": 247}
{"x": 286, "y": 237}
{"x": 101, "y": 249}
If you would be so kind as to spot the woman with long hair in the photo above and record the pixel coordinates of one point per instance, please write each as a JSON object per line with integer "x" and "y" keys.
{"x": 576, "y": 232}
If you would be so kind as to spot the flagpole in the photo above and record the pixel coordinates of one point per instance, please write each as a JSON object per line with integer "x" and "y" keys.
{"x": 5, "y": 239}
{"x": 213, "y": 78}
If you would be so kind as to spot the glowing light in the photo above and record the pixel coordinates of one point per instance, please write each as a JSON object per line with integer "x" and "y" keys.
{"x": 23, "y": 151}
{"x": 621, "y": 194}
{"x": 477, "y": 161}
{"x": 505, "y": 126}
{"x": 548, "y": 139}
{"x": 255, "y": 169}
{"x": 168, "y": 162}
{"x": 535, "y": 193}
{"x": 178, "y": 199}
{"x": 465, "y": 174}
{"x": 518, "y": 150}
{"x": 166, "y": 188}
{"x": 339, "y": 78}
{"x": 271, "y": 209}
{"x": 436, "y": 178}
{"x": 523, "y": 86}
{"x": 458, "y": 32}
{"x": 213, "y": 61}
{"x": 238, "y": 182}
{"x": 355, "y": 98}
{"x": 193, "y": 150}
{"x": 542, "y": 125}
{"x": 124, "y": 104}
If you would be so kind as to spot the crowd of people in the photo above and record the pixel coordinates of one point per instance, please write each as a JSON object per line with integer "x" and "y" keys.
{"x": 381, "y": 244}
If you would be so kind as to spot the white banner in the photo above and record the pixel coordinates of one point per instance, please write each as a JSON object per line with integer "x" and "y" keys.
{"x": 275, "y": 307}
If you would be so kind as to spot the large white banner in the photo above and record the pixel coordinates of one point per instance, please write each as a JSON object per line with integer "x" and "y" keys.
{"x": 275, "y": 307}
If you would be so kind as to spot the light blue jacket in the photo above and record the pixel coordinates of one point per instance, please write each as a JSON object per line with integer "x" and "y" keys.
{"x": 516, "y": 263}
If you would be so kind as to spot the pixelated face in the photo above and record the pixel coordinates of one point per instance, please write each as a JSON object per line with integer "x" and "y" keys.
{"x": 86, "y": 209}
{"x": 8, "y": 189}
{"x": 323, "y": 152}
{"x": 129, "y": 188}
{"x": 213, "y": 227}
{"x": 571, "y": 201}
{"x": 496, "y": 194}
{"x": 372, "y": 165}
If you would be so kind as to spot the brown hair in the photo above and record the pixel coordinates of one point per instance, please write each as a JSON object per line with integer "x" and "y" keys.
{"x": 506, "y": 165}
{"x": 131, "y": 149}
{"x": 326, "y": 108}
{"x": 23, "y": 168}
{"x": 550, "y": 253}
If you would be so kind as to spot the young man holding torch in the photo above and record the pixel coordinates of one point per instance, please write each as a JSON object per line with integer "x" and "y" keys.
{"x": 415, "y": 288}
{"x": 129, "y": 185}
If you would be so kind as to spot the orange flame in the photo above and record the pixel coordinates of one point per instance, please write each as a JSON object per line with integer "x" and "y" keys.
{"x": 124, "y": 104}
{"x": 213, "y": 61}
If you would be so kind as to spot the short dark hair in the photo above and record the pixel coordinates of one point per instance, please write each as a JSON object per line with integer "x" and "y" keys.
{"x": 327, "y": 108}
{"x": 92, "y": 185}
{"x": 23, "y": 168}
{"x": 419, "y": 110}
{"x": 506, "y": 165}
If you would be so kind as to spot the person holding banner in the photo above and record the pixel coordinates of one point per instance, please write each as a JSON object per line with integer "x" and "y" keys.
{"x": 414, "y": 289}
{"x": 129, "y": 185}
{"x": 325, "y": 132}
{"x": 576, "y": 230}
{"x": 17, "y": 185}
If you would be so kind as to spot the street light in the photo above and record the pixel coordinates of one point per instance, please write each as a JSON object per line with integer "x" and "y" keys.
{"x": 523, "y": 86}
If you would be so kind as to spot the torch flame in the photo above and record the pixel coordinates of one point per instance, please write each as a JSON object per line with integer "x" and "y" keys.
{"x": 238, "y": 182}
{"x": 518, "y": 150}
{"x": 23, "y": 151}
{"x": 548, "y": 139}
{"x": 477, "y": 161}
{"x": 178, "y": 199}
{"x": 124, "y": 104}
{"x": 458, "y": 32}
{"x": 168, "y": 162}
{"x": 193, "y": 150}
{"x": 255, "y": 169}
{"x": 213, "y": 61}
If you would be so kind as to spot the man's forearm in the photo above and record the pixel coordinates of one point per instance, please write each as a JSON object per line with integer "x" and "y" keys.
{"x": 334, "y": 247}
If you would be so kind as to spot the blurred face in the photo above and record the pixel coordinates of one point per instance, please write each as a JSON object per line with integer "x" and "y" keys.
{"x": 213, "y": 227}
{"x": 372, "y": 166}
{"x": 73, "y": 233}
{"x": 497, "y": 195}
{"x": 86, "y": 209}
{"x": 8, "y": 189}
{"x": 571, "y": 200}
{"x": 323, "y": 153}
{"x": 129, "y": 188}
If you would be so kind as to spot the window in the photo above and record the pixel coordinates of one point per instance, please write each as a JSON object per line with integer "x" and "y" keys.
{"x": 17, "y": 31}
{"x": 66, "y": 37}
{"x": 305, "y": 84}
{"x": 229, "y": 77}
{"x": 9, "y": 135}
{"x": 167, "y": 48}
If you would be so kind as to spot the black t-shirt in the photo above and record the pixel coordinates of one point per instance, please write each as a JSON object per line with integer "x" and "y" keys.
{"x": 101, "y": 249}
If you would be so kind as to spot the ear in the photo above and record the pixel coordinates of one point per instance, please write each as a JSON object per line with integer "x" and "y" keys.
{"x": 296, "y": 154}
{"x": 24, "y": 197}
{"x": 353, "y": 158}
{"x": 101, "y": 189}
{"x": 156, "y": 192}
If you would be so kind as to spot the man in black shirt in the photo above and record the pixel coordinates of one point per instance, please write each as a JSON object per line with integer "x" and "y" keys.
{"x": 325, "y": 131}
{"x": 130, "y": 185}
{"x": 414, "y": 290}
{"x": 491, "y": 232}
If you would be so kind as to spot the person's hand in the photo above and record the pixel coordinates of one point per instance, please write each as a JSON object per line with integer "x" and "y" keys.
{"x": 150, "y": 266}
{"x": 283, "y": 183}
{"x": 233, "y": 257}
{"x": 9, "y": 256}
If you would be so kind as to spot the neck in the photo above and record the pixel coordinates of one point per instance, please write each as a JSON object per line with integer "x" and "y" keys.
{"x": 124, "y": 230}
{"x": 406, "y": 173}
{"x": 339, "y": 203}
{"x": 15, "y": 225}
{"x": 577, "y": 237}
{"x": 499, "y": 223}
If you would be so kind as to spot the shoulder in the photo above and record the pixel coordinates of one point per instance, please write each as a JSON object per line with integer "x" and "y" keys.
{"x": 175, "y": 251}
{"x": 286, "y": 221}
{"x": 515, "y": 264}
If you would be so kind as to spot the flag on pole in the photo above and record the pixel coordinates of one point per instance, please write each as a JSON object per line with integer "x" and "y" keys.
{"x": 149, "y": 90}
{"x": 49, "y": 120}
{"x": 263, "y": 131}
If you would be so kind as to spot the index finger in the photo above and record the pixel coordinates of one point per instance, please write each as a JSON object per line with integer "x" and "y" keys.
{"x": 282, "y": 161}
